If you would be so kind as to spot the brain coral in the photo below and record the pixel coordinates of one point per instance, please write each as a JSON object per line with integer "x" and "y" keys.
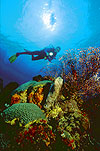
{"x": 25, "y": 112}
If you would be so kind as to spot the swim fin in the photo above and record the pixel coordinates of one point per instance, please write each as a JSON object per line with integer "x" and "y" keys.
{"x": 12, "y": 58}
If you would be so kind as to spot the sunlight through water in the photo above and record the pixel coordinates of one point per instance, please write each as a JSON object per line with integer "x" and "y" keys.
{"x": 49, "y": 17}
{"x": 49, "y": 20}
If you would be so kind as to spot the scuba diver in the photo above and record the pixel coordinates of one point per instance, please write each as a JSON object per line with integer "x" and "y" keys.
{"x": 48, "y": 53}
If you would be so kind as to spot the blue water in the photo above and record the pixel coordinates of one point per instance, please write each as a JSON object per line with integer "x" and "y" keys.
{"x": 34, "y": 24}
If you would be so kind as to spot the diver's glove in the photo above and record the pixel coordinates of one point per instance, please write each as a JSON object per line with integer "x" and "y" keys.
{"x": 12, "y": 58}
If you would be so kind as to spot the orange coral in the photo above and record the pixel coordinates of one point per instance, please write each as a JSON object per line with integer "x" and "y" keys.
{"x": 40, "y": 90}
{"x": 36, "y": 97}
{"x": 30, "y": 97}
{"x": 15, "y": 99}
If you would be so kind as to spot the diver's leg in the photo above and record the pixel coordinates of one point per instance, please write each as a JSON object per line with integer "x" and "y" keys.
{"x": 21, "y": 53}
{"x": 29, "y": 53}
{"x": 39, "y": 54}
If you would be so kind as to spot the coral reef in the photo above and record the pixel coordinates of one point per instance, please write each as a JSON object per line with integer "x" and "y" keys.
{"x": 72, "y": 123}
{"x": 24, "y": 86}
{"x": 36, "y": 97}
{"x": 77, "y": 69}
{"x": 57, "y": 111}
{"x": 53, "y": 96}
{"x": 19, "y": 98}
{"x": 24, "y": 112}
{"x": 30, "y": 92}
{"x": 29, "y": 84}
{"x": 36, "y": 132}
{"x": 15, "y": 99}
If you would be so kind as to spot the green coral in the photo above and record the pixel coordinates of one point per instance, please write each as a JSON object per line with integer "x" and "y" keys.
{"x": 31, "y": 83}
{"x": 24, "y": 86}
{"x": 25, "y": 112}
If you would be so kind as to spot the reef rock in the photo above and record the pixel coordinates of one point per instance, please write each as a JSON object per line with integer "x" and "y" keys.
{"x": 5, "y": 95}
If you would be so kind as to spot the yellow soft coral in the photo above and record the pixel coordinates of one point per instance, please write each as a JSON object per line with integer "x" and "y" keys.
{"x": 12, "y": 122}
{"x": 23, "y": 96}
{"x": 54, "y": 113}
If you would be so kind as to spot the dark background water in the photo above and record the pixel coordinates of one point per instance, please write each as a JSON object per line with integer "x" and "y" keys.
{"x": 36, "y": 24}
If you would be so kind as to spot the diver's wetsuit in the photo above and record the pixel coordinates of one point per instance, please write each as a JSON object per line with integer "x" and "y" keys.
{"x": 46, "y": 53}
